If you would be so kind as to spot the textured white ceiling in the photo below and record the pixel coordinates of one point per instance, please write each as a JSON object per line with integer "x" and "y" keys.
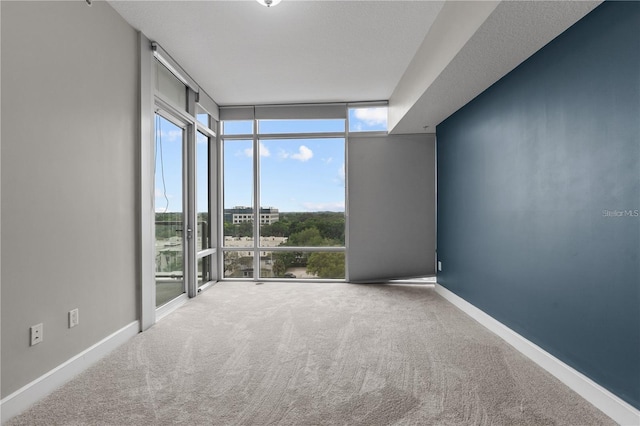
{"x": 299, "y": 51}
{"x": 307, "y": 51}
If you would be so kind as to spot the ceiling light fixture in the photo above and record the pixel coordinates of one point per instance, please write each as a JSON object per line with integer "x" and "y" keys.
{"x": 268, "y": 3}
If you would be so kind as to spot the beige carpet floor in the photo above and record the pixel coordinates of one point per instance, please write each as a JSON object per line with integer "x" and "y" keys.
{"x": 315, "y": 354}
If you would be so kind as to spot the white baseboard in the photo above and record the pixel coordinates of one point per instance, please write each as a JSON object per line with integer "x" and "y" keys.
{"x": 29, "y": 394}
{"x": 611, "y": 405}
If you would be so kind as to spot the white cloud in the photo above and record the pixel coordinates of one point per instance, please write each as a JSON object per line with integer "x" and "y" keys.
{"x": 283, "y": 154}
{"x": 303, "y": 154}
{"x": 171, "y": 135}
{"x": 264, "y": 151}
{"x": 372, "y": 116}
{"x": 324, "y": 207}
{"x": 328, "y": 160}
{"x": 342, "y": 173}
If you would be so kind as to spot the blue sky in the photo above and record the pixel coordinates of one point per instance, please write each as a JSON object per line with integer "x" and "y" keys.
{"x": 168, "y": 173}
{"x": 297, "y": 175}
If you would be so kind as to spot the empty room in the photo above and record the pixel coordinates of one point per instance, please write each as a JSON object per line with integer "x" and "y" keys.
{"x": 319, "y": 212}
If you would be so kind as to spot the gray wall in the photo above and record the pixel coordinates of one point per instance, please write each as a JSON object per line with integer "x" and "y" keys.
{"x": 69, "y": 152}
{"x": 525, "y": 173}
{"x": 392, "y": 199}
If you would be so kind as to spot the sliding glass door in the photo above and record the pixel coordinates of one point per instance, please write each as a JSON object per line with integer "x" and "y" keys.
{"x": 185, "y": 180}
{"x": 169, "y": 214}
{"x": 178, "y": 185}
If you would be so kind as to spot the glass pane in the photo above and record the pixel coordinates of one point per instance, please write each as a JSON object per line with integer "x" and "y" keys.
{"x": 238, "y": 192}
{"x": 238, "y": 264}
{"x": 202, "y": 116}
{"x": 204, "y": 270}
{"x": 368, "y": 119}
{"x": 203, "y": 119}
{"x": 169, "y": 86}
{"x": 202, "y": 186}
{"x": 301, "y": 126}
{"x": 243, "y": 127}
{"x": 304, "y": 180}
{"x": 302, "y": 265}
{"x": 169, "y": 211}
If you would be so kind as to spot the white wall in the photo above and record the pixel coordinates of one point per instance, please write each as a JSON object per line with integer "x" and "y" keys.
{"x": 69, "y": 154}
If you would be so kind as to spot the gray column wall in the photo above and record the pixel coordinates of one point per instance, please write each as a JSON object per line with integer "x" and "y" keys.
{"x": 70, "y": 125}
{"x": 391, "y": 187}
{"x": 539, "y": 199}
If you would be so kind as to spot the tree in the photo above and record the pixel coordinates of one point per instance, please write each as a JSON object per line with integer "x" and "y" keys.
{"x": 309, "y": 237}
{"x": 168, "y": 225}
{"x": 326, "y": 265}
{"x": 279, "y": 266}
{"x": 283, "y": 260}
{"x": 276, "y": 229}
{"x": 231, "y": 263}
{"x": 330, "y": 224}
{"x": 229, "y": 229}
{"x": 332, "y": 229}
{"x": 244, "y": 229}
{"x": 315, "y": 229}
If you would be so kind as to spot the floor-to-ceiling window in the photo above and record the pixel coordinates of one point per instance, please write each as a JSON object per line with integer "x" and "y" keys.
{"x": 284, "y": 192}
{"x": 206, "y": 202}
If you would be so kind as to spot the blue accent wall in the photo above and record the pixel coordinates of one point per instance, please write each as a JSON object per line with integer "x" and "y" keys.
{"x": 538, "y": 199}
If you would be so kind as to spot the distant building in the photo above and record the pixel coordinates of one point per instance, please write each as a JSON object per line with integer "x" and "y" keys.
{"x": 240, "y": 214}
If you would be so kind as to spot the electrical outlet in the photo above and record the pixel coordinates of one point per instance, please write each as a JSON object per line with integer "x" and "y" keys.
{"x": 439, "y": 266}
{"x": 74, "y": 317}
{"x": 37, "y": 334}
